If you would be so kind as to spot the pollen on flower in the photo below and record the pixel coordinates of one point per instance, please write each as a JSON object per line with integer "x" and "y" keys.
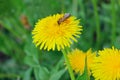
{"x": 48, "y": 34}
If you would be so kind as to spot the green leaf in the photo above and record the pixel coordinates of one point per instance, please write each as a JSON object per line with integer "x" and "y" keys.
{"x": 29, "y": 48}
{"x": 57, "y": 75}
{"x": 32, "y": 57}
{"x": 41, "y": 73}
{"x": 29, "y": 60}
{"x": 27, "y": 74}
{"x": 57, "y": 72}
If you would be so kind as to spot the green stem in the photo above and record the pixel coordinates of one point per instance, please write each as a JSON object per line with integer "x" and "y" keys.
{"x": 82, "y": 9}
{"x": 113, "y": 21}
{"x": 68, "y": 65}
{"x": 10, "y": 76}
{"x": 75, "y": 7}
{"x": 94, "y": 2}
{"x": 62, "y": 6}
{"x": 86, "y": 69}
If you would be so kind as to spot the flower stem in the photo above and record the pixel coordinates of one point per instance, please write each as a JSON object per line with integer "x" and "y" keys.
{"x": 113, "y": 21}
{"x": 68, "y": 65}
{"x": 96, "y": 16}
{"x": 74, "y": 7}
{"x": 62, "y": 6}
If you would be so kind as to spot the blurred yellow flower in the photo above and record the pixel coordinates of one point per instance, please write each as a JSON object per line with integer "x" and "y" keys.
{"x": 77, "y": 60}
{"x": 48, "y": 34}
{"x": 107, "y": 65}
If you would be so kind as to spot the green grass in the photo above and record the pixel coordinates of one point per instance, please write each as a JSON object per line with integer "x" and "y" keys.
{"x": 19, "y": 56}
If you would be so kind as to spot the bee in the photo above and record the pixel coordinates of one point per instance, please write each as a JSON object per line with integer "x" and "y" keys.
{"x": 66, "y": 16}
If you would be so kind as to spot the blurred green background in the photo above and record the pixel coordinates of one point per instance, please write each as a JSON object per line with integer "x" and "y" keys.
{"x": 21, "y": 60}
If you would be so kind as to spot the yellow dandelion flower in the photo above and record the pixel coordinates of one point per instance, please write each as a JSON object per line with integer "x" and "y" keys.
{"x": 48, "y": 34}
{"x": 107, "y": 65}
{"x": 77, "y": 60}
